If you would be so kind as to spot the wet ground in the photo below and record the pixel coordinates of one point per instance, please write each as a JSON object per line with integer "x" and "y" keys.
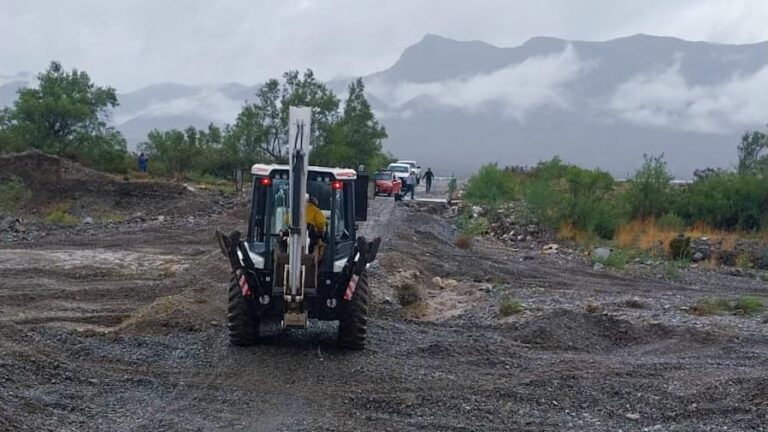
{"x": 123, "y": 329}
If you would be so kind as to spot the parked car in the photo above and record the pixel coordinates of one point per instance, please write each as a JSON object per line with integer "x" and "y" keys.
{"x": 414, "y": 167}
{"x": 387, "y": 183}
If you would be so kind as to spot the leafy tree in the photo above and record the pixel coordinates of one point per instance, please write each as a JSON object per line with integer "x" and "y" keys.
{"x": 356, "y": 138}
{"x": 701, "y": 174}
{"x": 262, "y": 127}
{"x": 65, "y": 115}
{"x": 650, "y": 189}
{"x": 753, "y": 153}
{"x": 174, "y": 150}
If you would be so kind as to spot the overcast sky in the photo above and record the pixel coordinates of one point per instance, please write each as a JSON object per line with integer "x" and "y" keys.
{"x": 132, "y": 43}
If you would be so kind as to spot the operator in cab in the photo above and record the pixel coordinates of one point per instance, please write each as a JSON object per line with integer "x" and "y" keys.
{"x": 316, "y": 223}
{"x": 315, "y": 217}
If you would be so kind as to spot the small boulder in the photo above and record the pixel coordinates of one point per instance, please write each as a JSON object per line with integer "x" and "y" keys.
{"x": 698, "y": 256}
{"x": 601, "y": 254}
{"x": 598, "y": 266}
{"x": 88, "y": 221}
{"x": 550, "y": 249}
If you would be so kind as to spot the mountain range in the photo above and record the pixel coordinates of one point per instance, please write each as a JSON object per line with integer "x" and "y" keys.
{"x": 455, "y": 105}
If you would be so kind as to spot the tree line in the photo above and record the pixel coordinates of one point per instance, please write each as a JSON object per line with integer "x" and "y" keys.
{"x": 592, "y": 201}
{"x": 68, "y": 115}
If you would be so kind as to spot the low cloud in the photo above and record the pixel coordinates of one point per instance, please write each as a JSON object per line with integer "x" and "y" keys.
{"x": 519, "y": 89}
{"x": 665, "y": 99}
{"x": 208, "y": 102}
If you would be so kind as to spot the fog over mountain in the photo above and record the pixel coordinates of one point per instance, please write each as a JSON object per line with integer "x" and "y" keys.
{"x": 457, "y": 104}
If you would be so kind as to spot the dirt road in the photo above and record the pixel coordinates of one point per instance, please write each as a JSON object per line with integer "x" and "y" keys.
{"x": 123, "y": 329}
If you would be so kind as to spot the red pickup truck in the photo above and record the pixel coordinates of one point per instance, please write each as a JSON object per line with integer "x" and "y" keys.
{"x": 387, "y": 183}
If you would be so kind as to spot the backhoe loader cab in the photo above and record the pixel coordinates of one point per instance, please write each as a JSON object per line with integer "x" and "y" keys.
{"x": 281, "y": 273}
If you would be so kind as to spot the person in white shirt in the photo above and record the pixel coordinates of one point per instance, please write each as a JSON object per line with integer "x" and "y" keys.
{"x": 411, "y": 182}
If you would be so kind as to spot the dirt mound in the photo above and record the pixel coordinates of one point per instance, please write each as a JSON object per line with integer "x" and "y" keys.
{"x": 200, "y": 306}
{"x": 579, "y": 331}
{"x": 53, "y": 180}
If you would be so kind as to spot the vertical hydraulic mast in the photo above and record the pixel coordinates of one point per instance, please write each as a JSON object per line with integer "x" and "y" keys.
{"x": 299, "y": 147}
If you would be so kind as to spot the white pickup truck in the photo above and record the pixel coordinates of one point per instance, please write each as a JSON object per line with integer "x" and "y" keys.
{"x": 414, "y": 167}
{"x": 400, "y": 170}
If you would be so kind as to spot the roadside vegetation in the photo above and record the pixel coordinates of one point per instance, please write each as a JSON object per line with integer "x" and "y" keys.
{"x": 744, "y": 305}
{"x": 13, "y": 193}
{"x": 644, "y": 213}
{"x": 68, "y": 115}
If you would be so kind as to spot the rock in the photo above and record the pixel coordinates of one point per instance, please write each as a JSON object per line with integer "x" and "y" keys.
{"x": 550, "y": 249}
{"x": 634, "y": 303}
{"x": 445, "y": 283}
{"x": 9, "y": 223}
{"x": 387, "y": 300}
{"x": 520, "y": 238}
{"x": 598, "y": 266}
{"x": 592, "y": 307}
{"x": 477, "y": 211}
{"x": 161, "y": 218}
{"x": 88, "y": 221}
{"x": 450, "y": 283}
{"x": 633, "y": 416}
{"x": 601, "y": 254}
{"x": 698, "y": 256}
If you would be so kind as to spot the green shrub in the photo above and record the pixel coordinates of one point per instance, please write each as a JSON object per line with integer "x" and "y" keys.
{"x": 673, "y": 268}
{"x": 748, "y": 305}
{"x": 58, "y": 214}
{"x": 13, "y": 193}
{"x": 492, "y": 186}
{"x": 649, "y": 193}
{"x": 561, "y": 193}
{"x": 726, "y": 201}
{"x": 470, "y": 225}
{"x": 617, "y": 259}
{"x": 509, "y": 306}
{"x": 671, "y": 221}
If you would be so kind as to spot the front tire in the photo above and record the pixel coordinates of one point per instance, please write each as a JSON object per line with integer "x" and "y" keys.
{"x": 353, "y": 327}
{"x": 243, "y": 327}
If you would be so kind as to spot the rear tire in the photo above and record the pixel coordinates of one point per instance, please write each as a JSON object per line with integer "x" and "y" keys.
{"x": 243, "y": 327}
{"x": 353, "y": 327}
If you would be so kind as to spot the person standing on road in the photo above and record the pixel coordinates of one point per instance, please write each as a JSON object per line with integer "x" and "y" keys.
{"x": 428, "y": 176}
{"x": 411, "y": 181}
{"x": 143, "y": 162}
